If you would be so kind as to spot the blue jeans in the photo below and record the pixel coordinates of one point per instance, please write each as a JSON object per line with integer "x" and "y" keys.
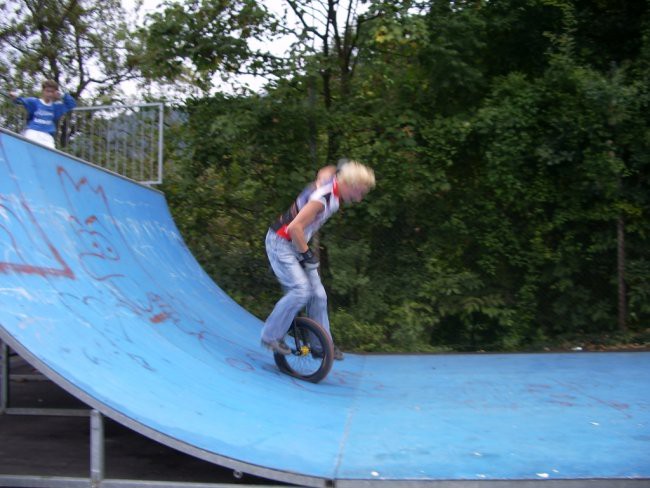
{"x": 301, "y": 289}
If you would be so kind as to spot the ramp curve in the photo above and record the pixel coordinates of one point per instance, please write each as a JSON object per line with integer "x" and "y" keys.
{"x": 99, "y": 292}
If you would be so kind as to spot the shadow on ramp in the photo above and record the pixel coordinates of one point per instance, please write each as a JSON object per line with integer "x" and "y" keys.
{"x": 99, "y": 292}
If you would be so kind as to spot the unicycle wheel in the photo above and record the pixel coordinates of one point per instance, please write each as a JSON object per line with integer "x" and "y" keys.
{"x": 312, "y": 351}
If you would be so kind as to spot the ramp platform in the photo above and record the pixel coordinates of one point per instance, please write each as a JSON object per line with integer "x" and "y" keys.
{"x": 99, "y": 292}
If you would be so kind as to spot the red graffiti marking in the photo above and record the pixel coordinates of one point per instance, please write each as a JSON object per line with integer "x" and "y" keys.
{"x": 158, "y": 318}
{"x": 36, "y": 233}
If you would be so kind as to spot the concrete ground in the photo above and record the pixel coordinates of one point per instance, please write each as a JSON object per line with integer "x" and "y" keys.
{"x": 40, "y": 445}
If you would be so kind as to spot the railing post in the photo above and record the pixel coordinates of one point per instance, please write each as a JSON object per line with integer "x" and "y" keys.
{"x": 4, "y": 376}
{"x": 96, "y": 449}
{"x": 161, "y": 128}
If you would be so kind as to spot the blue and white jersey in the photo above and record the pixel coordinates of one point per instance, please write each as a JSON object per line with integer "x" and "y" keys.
{"x": 43, "y": 116}
{"x": 326, "y": 194}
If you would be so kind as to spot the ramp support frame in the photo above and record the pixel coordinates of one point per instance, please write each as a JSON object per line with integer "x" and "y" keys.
{"x": 97, "y": 443}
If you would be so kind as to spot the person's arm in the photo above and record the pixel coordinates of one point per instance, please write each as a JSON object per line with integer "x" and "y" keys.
{"x": 325, "y": 174}
{"x": 69, "y": 102}
{"x": 28, "y": 102}
{"x": 296, "y": 228}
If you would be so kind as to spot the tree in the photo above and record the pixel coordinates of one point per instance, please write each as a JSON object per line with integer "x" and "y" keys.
{"x": 233, "y": 163}
{"x": 194, "y": 41}
{"x": 332, "y": 40}
{"x": 503, "y": 179}
{"x": 80, "y": 44}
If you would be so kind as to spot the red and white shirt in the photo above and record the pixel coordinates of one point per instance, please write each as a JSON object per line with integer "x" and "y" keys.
{"x": 326, "y": 194}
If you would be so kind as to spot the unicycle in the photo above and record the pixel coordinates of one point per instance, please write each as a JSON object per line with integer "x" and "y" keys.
{"x": 312, "y": 351}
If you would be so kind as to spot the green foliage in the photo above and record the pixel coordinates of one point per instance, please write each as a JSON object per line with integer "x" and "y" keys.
{"x": 82, "y": 45}
{"x": 510, "y": 142}
{"x": 192, "y": 41}
{"x": 356, "y": 333}
{"x": 507, "y": 150}
{"x": 226, "y": 180}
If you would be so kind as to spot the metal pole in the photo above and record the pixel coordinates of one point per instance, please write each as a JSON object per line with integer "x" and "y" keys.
{"x": 152, "y": 145}
{"x": 96, "y": 449}
{"x": 113, "y": 107}
{"x": 161, "y": 127}
{"x": 88, "y": 137}
{"x": 4, "y": 376}
{"x": 107, "y": 142}
{"x": 127, "y": 164}
{"x": 137, "y": 153}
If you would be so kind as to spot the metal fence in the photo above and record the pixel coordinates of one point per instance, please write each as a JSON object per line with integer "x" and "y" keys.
{"x": 125, "y": 139}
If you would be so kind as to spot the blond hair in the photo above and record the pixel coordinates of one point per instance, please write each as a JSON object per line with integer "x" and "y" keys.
{"x": 357, "y": 175}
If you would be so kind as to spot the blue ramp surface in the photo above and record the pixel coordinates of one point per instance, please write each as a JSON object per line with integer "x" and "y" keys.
{"x": 98, "y": 291}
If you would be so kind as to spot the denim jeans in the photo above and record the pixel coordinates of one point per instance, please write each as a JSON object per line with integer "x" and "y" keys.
{"x": 301, "y": 289}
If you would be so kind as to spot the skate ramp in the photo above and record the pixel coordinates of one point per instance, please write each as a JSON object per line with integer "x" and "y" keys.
{"x": 99, "y": 292}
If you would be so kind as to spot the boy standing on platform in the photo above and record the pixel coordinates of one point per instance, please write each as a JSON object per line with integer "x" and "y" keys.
{"x": 43, "y": 113}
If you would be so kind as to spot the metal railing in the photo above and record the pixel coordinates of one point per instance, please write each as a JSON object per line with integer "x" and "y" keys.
{"x": 125, "y": 139}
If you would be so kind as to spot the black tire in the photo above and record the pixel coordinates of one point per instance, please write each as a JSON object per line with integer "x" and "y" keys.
{"x": 306, "y": 338}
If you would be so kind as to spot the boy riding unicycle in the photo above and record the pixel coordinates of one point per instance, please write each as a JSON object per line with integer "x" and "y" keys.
{"x": 296, "y": 266}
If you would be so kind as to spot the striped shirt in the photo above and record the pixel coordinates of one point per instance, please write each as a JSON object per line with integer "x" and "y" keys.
{"x": 326, "y": 194}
